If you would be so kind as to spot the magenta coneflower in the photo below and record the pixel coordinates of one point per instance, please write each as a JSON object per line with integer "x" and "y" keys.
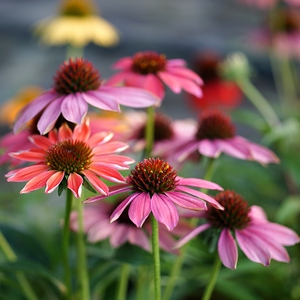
{"x": 77, "y": 84}
{"x": 155, "y": 187}
{"x": 68, "y": 159}
{"x": 258, "y": 238}
{"x": 98, "y": 227}
{"x": 149, "y": 70}
{"x": 216, "y": 134}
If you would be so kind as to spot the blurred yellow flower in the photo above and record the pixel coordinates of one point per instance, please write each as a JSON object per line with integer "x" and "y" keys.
{"x": 10, "y": 109}
{"x": 77, "y": 24}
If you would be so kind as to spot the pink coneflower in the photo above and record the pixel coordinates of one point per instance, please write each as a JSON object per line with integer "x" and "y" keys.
{"x": 77, "y": 84}
{"x": 258, "y": 238}
{"x": 216, "y": 134}
{"x": 98, "y": 227}
{"x": 155, "y": 187}
{"x": 217, "y": 92}
{"x": 69, "y": 159}
{"x": 150, "y": 70}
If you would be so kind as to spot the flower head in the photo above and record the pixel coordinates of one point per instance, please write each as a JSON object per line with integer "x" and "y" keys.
{"x": 149, "y": 70}
{"x": 258, "y": 238}
{"x": 155, "y": 187}
{"x": 217, "y": 92}
{"x": 98, "y": 227}
{"x": 77, "y": 84}
{"x": 77, "y": 24}
{"x": 216, "y": 134}
{"x": 69, "y": 159}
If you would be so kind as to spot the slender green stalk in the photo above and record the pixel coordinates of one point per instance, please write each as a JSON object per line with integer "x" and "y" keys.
{"x": 212, "y": 281}
{"x": 65, "y": 243}
{"x": 83, "y": 276}
{"x": 73, "y": 52}
{"x": 12, "y": 257}
{"x": 123, "y": 283}
{"x": 156, "y": 258}
{"x": 149, "y": 131}
{"x": 259, "y": 101}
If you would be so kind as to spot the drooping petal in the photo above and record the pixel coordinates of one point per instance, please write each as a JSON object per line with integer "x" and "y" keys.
{"x": 139, "y": 238}
{"x": 185, "y": 73}
{"x": 140, "y": 209}
{"x": 154, "y": 85}
{"x": 252, "y": 247}
{"x": 119, "y": 236}
{"x": 26, "y": 173}
{"x": 186, "y": 201}
{"x": 74, "y": 108}
{"x": 201, "y": 195}
{"x": 98, "y": 184}
{"x": 33, "y": 108}
{"x": 131, "y": 96}
{"x": 101, "y": 100}
{"x": 171, "y": 81}
{"x": 50, "y": 115}
{"x": 33, "y": 155}
{"x": 54, "y": 181}
{"x": 107, "y": 173}
{"x": 37, "y": 182}
{"x": 234, "y": 148}
{"x": 209, "y": 148}
{"x": 75, "y": 184}
{"x": 227, "y": 249}
{"x": 121, "y": 207}
{"x": 164, "y": 210}
{"x": 199, "y": 183}
{"x": 182, "y": 241}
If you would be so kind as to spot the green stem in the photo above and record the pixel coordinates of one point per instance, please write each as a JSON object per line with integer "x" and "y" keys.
{"x": 73, "y": 52}
{"x": 156, "y": 258}
{"x": 12, "y": 257}
{"x": 259, "y": 101}
{"x": 83, "y": 275}
{"x": 65, "y": 243}
{"x": 123, "y": 283}
{"x": 149, "y": 131}
{"x": 211, "y": 284}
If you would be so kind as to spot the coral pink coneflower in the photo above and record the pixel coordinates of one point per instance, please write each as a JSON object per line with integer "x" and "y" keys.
{"x": 155, "y": 187}
{"x": 258, "y": 238}
{"x": 77, "y": 84}
{"x": 149, "y": 70}
{"x": 98, "y": 227}
{"x": 216, "y": 134}
{"x": 69, "y": 159}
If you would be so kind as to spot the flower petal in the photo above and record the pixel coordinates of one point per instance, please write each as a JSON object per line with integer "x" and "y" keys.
{"x": 75, "y": 184}
{"x": 98, "y": 184}
{"x": 74, "y": 108}
{"x": 199, "y": 183}
{"x": 26, "y": 173}
{"x": 107, "y": 173}
{"x": 182, "y": 241}
{"x": 65, "y": 132}
{"x": 54, "y": 181}
{"x": 227, "y": 249}
{"x": 164, "y": 210}
{"x": 139, "y": 209}
{"x": 33, "y": 155}
{"x": 101, "y": 100}
{"x": 40, "y": 141}
{"x": 186, "y": 201}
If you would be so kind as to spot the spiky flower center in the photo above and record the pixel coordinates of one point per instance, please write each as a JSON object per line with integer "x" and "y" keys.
{"x": 285, "y": 20}
{"x": 215, "y": 125}
{"x": 235, "y": 214}
{"x": 69, "y": 156}
{"x": 207, "y": 66}
{"x": 152, "y": 176}
{"x": 74, "y": 76}
{"x": 148, "y": 62}
{"x": 162, "y": 129}
{"x": 77, "y": 8}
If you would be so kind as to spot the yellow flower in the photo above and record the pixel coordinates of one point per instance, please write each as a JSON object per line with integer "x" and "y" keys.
{"x": 77, "y": 24}
{"x": 11, "y": 108}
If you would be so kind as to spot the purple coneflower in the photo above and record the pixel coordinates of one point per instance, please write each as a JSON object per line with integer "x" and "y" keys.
{"x": 216, "y": 134}
{"x": 77, "y": 84}
{"x": 155, "y": 187}
{"x": 258, "y": 238}
{"x": 149, "y": 70}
